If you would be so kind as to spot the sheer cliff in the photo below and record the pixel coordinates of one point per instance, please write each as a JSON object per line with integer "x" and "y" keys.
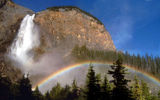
{"x": 72, "y": 26}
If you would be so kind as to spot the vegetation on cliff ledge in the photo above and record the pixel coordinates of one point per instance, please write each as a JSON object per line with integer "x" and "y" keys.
{"x": 145, "y": 63}
{"x": 96, "y": 88}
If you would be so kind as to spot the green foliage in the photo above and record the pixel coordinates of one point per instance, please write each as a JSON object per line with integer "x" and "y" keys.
{"x": 56, "y": 92}
{"x": 145, "y": 90}
{"x": 96, "y": 88}
{"x": 47, "y": 96}
{"x": 75, "y": 91}
{"x": 64, "y": 93}
{"x": 121, "y": 84}
{"x": 91, "y": 84}
{"x": 137, "y": 90}
{"x": 37, "y": 94}
{"x": 153, "y": 97}
{"x": 159, "y": 94}
{"x": 146, "y": 63}
{"x": 106, "y": 89}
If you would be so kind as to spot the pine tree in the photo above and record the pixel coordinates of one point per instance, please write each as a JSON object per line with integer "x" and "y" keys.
{"x": 5, "y": 88}
{"x": 37, "y": 94}
{"x": 136, "y": 90}
{"x": 121, "y": 84}
{"x": 15, "y": 91}
{"x": 106, "y": 89}
{"x": 91, "y": 84}
{"x": 75, "y": 91}
{"x": 145, "y": 90}
{"x": 25, "y": 89}
{"x": 159, "y": 94}
{"x": 98, "y": 86}
{"x": 67, "y": 93}
{"x": 48, "y": 96}
{"x": 56, "y": 92}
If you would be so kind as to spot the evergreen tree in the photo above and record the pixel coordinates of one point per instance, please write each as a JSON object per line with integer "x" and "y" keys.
{"x": 159, "y": 94}
{"x": 145, "y": 90}
{"x": 5, "y": 88}
{"x": 146, "y": 63}
{"x": 75, "y": 91}
{"x": 121, "y": 84}
{"x": 15, "y": 91}
{"x": 37, "y": 94}
{"x": 56, "y": 91}
{"x": 47, "y": 96}
{"x": 25, "y": 89}
{"x": 98, "y": 86}
{"x": 136, "y": 90}
{"x": 67, "y": 93}
{"x": 91, "y": 84}
{"x": 106, "y": 90}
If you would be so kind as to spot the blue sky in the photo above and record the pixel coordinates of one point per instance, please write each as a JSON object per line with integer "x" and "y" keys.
{"x": 133, "y": 24}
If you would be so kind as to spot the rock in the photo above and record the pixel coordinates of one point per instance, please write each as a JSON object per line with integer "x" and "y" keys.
{"x": 60, "y": 27}
{"x": 11, "y": 16}
{"x": 72, "y": 26}
{"x": 10, "y": 19}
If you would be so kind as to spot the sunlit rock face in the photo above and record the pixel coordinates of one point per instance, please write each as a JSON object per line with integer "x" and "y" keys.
{"x": 59, "y": 31}
{"x": 71, "y": 26}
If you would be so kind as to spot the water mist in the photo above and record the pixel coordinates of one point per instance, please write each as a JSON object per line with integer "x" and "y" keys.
{"x": 26, "y": 39}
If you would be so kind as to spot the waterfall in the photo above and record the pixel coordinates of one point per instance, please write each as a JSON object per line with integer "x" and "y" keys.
{"x": 26, "y": 39}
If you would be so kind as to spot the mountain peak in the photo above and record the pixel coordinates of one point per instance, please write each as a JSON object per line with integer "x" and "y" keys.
{"x": 74, "y": 26}
{"x": 70, "y": 8}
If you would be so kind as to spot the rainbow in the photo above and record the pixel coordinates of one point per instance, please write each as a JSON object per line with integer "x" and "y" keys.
{"x": 73, "y": 66}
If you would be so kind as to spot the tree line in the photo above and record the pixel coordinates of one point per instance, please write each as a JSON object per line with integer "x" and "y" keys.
{"x": 145, "y": 63}
{"x": 95, "y": 88}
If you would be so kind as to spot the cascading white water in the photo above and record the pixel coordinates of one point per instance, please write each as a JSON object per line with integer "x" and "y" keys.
{"x": 26, "y": 39}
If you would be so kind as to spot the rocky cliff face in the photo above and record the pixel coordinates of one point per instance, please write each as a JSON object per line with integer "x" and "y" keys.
{"x": 71, "y": 26}
{"x": 10, "y": 19}
{"x": 61, "y": 28}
